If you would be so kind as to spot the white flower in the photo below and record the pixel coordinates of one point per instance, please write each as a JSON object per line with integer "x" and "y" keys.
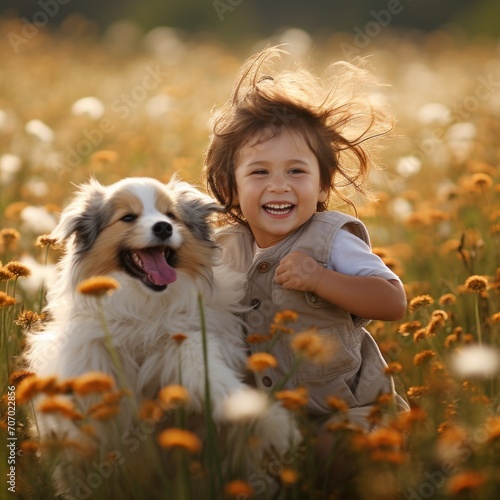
{"x": 90, "y": 106}
{"x": 38, "y": 220}
{"x": 400, "y": 208}
{"x": 40, "y": 130}
{"x": 40, "y": 275}
{"x": 9, "y": 166}
{"x": 158, "y": 105}
{"x": 434, "y": 113}
{"x": 408, "y": 166}
{"x": 476, "y": 361}
{"x": 245, "y": 405}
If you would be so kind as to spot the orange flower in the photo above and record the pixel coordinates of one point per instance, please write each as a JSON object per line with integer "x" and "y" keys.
{"x": 6, "y": 300}
{"x": 257, "y": 338}
{"x": 409, "y": 327}
{"x": 285, "y": 316}
{"x": 18, "y": 269}
{"x": 55, "y": 404}
{"x": 293, "y": 399}
{"x": 337, "y": 404}
{"x": 26, "y": 389}
{"x": 468, "y": 481}
{"x": 311, "y": 346}
{"x": 261, "y": 361}
{"x": 98, "y": 286}
{"x": 447, "y": 299}
{"x": 179, "y": 337}
{"x": 179, "y": 438}
{"x": 93, "y": 382}
{"x": 393, "y": 368}
{"x": 238, "y": 489}
{"x": 173, "y": 395}
{"x": 419, "y": 302}
{"x": 476, "y": 283}
{"x": 289, "y": 476}
{"x": 103, "y": 411}
{"x": 423, "y": 357}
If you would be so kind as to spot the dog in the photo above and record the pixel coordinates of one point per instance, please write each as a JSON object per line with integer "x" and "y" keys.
{"x": 155, "y": 240}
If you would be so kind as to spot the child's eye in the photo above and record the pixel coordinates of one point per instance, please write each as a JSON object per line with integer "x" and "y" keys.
{"x": 296, "y": 171}
{"x": 259, "y": 172}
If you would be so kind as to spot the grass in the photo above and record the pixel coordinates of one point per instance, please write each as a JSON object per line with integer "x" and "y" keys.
{"x": 436, "y": 224}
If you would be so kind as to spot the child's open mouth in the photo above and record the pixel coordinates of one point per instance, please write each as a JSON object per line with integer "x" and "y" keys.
{"x": 278, "y": 208}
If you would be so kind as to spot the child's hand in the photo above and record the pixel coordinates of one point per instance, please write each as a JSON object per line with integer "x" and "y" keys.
{"x": 298, "y": 271}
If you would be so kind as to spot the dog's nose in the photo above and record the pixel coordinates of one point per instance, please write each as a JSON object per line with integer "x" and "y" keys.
{"x": 162, "y": 230}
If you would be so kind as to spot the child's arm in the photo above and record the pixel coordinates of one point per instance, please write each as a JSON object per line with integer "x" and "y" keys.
{"x": 368, "y": 297}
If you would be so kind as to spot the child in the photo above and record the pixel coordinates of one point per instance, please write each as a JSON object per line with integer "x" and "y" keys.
{"x": 280, "y": 147}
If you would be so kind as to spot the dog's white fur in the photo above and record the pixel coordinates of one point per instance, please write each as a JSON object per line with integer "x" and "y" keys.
{"x": 99, "y": 225}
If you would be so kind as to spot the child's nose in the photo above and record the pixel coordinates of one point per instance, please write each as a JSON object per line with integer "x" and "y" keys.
{"x": 279, "y": 184}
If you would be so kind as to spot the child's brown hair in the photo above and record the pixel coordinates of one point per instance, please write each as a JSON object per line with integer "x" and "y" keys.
{"x": 336, "y": 115}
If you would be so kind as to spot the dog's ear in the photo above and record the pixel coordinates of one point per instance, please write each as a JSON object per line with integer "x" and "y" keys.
{"x": 196, "y": 207}
{"x": 84, "y": 217}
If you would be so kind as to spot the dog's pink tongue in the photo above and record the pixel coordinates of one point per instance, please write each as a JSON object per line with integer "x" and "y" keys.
{"x": 154, "y": 263}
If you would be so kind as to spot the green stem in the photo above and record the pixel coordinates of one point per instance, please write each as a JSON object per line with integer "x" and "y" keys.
{"x": 478, "y": 321}
{"x": 212, "y": 450}
{"x": 40, "y": 297}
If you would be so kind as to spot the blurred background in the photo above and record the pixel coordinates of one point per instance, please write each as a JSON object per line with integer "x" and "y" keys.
{"x": 233, "y": 19}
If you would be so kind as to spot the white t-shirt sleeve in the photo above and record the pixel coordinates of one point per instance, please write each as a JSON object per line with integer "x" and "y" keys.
{"x": 351, "y": 255}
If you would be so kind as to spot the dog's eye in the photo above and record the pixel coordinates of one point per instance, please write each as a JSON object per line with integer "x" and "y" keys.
{"x": 170, "y": 215}
{"x": 129, "y": 218}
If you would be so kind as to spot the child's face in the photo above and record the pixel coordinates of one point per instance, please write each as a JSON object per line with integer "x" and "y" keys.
{"x": 278, "y": 186}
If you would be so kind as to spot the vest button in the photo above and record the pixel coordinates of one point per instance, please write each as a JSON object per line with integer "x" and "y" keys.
{"x": 267, "y": 381}
{"x": 263, "y": 267}
{"x": 255, "y": 303}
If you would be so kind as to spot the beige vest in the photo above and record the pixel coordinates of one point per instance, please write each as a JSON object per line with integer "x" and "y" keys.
{"x": 355, "y": 370}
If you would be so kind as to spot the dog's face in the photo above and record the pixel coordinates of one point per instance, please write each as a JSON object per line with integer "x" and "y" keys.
{"x": 141, "y": 227}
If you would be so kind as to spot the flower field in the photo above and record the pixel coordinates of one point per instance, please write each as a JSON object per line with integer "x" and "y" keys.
{"x": 76, "y": 104}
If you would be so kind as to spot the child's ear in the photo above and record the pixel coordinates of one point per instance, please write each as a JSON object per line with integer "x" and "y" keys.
{"x": 323, "y": 195}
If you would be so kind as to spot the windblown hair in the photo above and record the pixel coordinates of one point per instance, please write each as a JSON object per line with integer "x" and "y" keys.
{"x": 340, "y": 116}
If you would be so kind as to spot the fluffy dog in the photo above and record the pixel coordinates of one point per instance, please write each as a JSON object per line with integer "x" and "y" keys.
{"x": 155, "y": 240}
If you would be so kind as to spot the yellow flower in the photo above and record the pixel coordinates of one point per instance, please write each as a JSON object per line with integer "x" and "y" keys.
{"x": 173, "y": 395}
{"x": 261, "y": 361}
{"x": 238, "y": 489}
{"x": 98, "y": 286}
{"x": 179, "y": 438}
{"x": 93, "y": 382}
{"x": 18, "y": 269}
{"x": 476, "y": 283}
{"x": 293, "y": 399}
